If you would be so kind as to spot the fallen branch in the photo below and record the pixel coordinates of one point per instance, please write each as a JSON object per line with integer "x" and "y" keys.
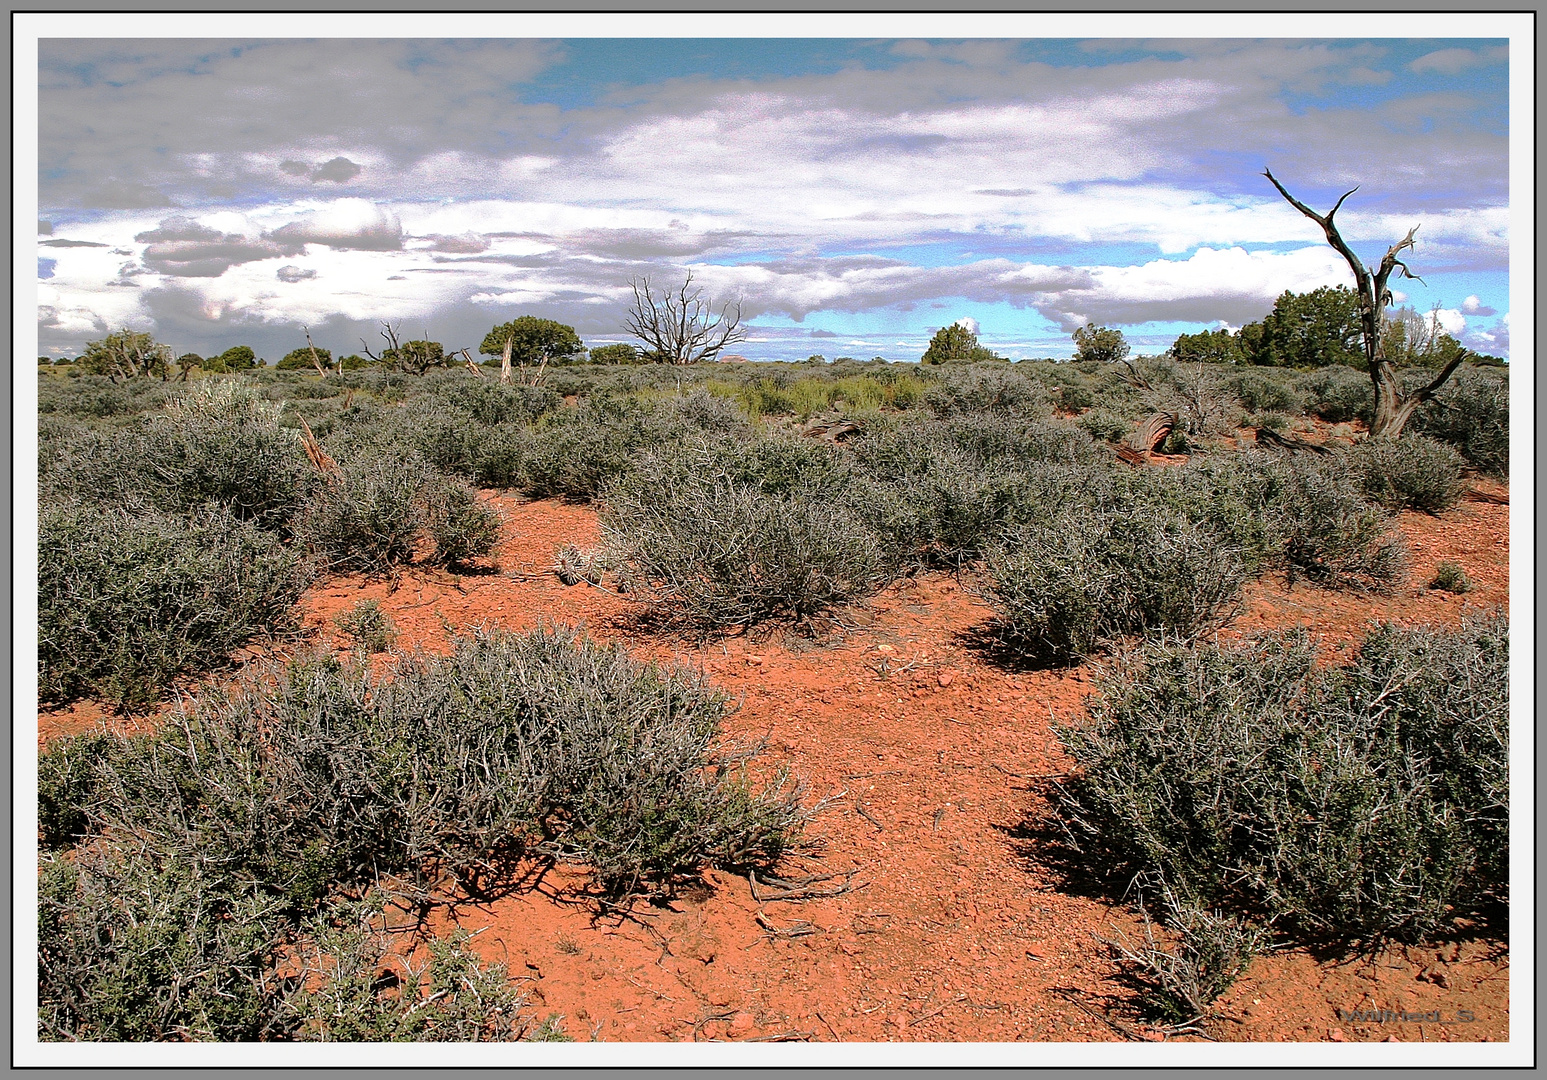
{"x": 800, "y": 889}
{"x": 937, "y": 1012}
{"x": 1272, "y": 440}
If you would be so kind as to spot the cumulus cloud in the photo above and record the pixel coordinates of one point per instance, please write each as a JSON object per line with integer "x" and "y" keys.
{"x": 345, "y": 223}
{"x": 969, "y": 324}
{"x": 1107, "y": 187}
{"x": 1473, "y": 306}
{"x": 183, "y": 247}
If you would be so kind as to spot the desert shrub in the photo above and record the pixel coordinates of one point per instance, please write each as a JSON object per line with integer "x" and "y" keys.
{"x": 129, "y": 601}
{"x": 1179, "y": 982}
{"x": 321, "y": 775}
{"x": 1410, "y": 473}
{"x": 367, "y": 626}
{"x": 1260, "y": 392}
{"x": 1471, "y": 412}
{"x": 98, "y": 396}
{"x": 1065, "y": 585}
{"x": 1105, "y": 424}
{"x": 710, "y": 549}
{"x": 987, "y": 387}
{"x": 491, "y": 403}
{"x": 460, "y": 526}
{"x": 1358, "y": 803}
{"x": 134, "y": 948}
{"x": 1450, "y": 577}
{"x": 1337, "y": 394}
{"x": 142, "y": 945}
{"x": 218, "y": 444}
{"x": 369, "y": 515}
{"x": 575, "y": 452}
{"x": 1327, "y": 530}
{"x": 358, "y": 983}
{"x": 67, "y": 772}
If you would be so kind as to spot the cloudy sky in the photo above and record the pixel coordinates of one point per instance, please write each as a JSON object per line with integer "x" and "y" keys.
{"x": 855, "y": 195}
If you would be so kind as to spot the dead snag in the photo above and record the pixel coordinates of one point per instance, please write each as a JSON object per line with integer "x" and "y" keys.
{"x": 314, "y": 451}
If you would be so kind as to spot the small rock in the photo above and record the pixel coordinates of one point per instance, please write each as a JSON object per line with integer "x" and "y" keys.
{"x": 947, "y": 678}
{"x": 753, "y": 658}
{"x": 1391, "y": 1038}
{"x": 1438, "y": 979}
{"x": 885, "y": 648}
{"x": 899, "y": 1019}
{"x": 742, "y": 1023}
{"x": 1336, "y": 1035}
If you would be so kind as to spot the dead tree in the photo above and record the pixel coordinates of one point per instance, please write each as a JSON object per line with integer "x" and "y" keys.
{"x": 1392, "y": 407}
{"x": 316, "y": 363}
{"x": 681, "y": 326}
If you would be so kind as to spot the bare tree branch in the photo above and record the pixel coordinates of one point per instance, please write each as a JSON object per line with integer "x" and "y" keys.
{"x": 682, "y": 326}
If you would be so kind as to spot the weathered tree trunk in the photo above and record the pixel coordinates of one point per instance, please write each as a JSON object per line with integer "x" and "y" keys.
{"x": 1392, "y": 407}
{"x": 505, "y": 359}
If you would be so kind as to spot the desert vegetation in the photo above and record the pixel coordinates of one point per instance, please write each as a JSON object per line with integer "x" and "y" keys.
{"x": 241, "y": 871}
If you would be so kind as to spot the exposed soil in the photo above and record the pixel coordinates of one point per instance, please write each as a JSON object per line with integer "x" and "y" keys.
{"x": 927, "y": 748}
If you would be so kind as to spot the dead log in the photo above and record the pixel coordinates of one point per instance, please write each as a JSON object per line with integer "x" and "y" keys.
{"x": 833, "y": 431}
{"x": 1269, "y": 439}
{"x": 1137, "y": 448}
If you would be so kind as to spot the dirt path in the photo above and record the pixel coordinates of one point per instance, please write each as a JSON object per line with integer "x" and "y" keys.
{"x": 950, "y": 928}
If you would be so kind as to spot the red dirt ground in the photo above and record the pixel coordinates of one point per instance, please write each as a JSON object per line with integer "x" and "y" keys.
{"x": 924, "y": 748}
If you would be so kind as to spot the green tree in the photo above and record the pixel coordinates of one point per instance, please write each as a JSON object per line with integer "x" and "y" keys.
{"x": 956, "y": 343}
{"x": 1092, "y": 342}
{"x": 1310, "y": 330}
{"x": 1209, "y": 347}
{"x": 616, "y": 354}
{"x": 186, "y": 363}
{"x": 353, "y": 363}
{"x": 529, "y": 340}
{"x": 126, "y": 354}
{"x": 416, "y": 357}
{"x": 238, "y": 358}
{"x": 301, "y": 359}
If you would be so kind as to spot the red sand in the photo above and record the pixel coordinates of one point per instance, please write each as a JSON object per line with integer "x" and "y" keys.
{"x": 923, "y": 747}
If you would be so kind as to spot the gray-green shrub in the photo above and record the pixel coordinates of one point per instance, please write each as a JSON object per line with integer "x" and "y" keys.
{"x": 1410, "y": 473}
{"x": 1471, "y": 412}
{"x": 1357, "y": 802}
{"x": 1064, "y": 586}
{"x": 321, "y": 775}
{"x": 129, "y": 601}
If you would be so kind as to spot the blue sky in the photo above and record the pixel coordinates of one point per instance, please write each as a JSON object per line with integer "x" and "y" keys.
{"x": 852, "y": 195}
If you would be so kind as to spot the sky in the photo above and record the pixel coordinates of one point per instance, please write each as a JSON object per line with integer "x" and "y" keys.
{"x": 852, "y": 195}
